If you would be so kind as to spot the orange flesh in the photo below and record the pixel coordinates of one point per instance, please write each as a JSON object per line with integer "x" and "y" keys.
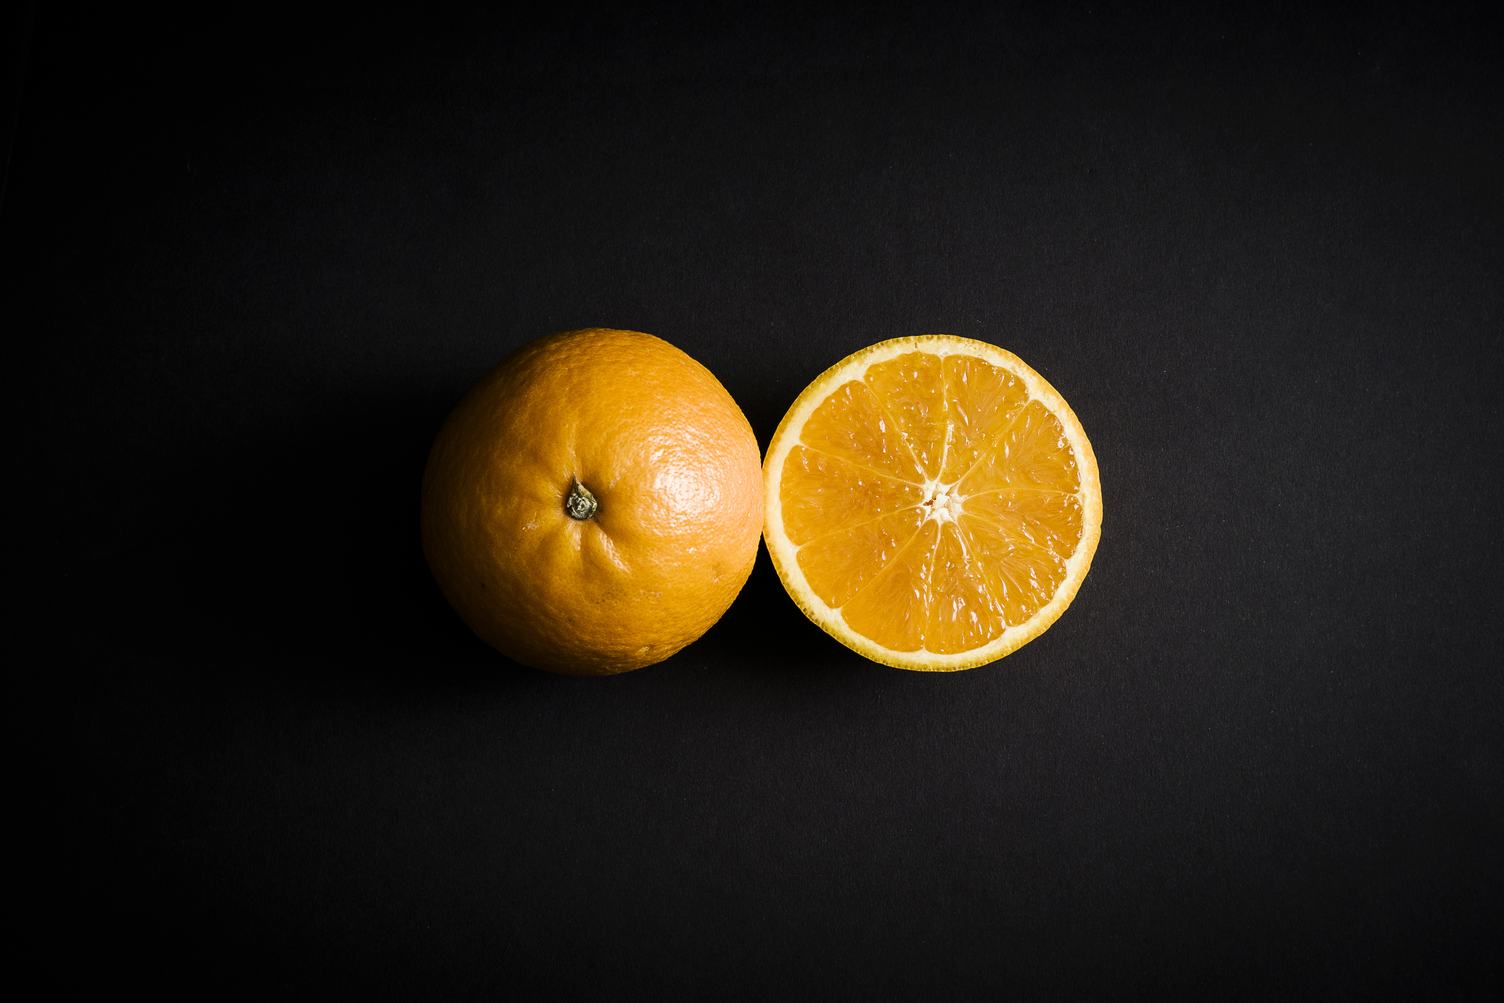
{"x": 932, "y": 502}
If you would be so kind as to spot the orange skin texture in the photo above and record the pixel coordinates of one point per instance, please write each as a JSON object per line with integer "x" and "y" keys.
{"x": 672, "y": 463}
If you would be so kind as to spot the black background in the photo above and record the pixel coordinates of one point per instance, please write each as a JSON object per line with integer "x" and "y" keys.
{"x": 252, "y": 260}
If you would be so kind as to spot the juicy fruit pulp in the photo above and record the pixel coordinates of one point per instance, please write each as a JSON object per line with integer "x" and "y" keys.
{"x": 934, "y": 495}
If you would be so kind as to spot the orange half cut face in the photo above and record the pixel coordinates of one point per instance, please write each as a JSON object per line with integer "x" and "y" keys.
{"x": 931, "y": 502}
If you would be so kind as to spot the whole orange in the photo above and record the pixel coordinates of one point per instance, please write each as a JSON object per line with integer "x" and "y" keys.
{"x": 594, "y": 504}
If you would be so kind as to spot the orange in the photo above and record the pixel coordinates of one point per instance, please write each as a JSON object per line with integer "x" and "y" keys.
{"x": 932, "y": 502}
{"x": 594, "y": 504}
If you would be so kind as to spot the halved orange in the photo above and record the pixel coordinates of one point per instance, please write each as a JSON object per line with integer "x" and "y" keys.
{"x": 931, "y": 502}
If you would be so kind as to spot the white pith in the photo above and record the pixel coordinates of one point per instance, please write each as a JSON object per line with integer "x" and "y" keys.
{"x": 941, "y": 502}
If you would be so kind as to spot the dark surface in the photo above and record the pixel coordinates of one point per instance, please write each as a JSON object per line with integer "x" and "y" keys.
{"x": 252, "y": 263}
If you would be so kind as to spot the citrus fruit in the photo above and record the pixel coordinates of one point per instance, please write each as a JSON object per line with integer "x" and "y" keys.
{"x": 594, "y": 503}
{"x": 931, "y": 502}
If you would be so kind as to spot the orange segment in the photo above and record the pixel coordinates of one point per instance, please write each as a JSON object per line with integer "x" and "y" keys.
{"x": 1047, "y": 519}
{"x": 963, "y": 614}
{"x": 912, "y": 391}
{"x": 982, "y": 399}
{"x": 1032, "y": 452}
{"x": 893, "y": 608}
{"x": 1020, "y": 575}
{"x": 932, "y": 503}
{"x": 838, "y": 564}
{"x": 823, "y": 493}
{"x": 852, "y": 424}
